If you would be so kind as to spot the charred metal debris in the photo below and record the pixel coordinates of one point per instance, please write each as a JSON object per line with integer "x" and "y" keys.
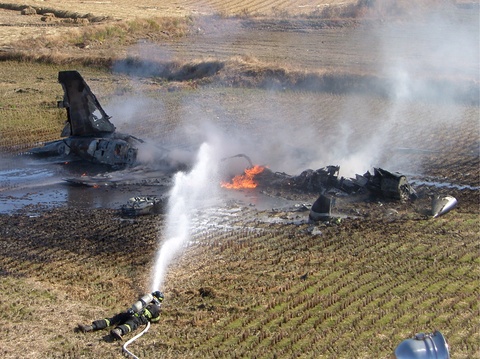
{"x": 143, "y": 205}
{"x": 88, "y": 134}
{"x": 326, "y": 181}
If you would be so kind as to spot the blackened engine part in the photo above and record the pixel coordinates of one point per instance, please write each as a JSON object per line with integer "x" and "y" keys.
{"x": 322, "y": 208}
{"x": 389, "y": 185}
{"x": 319, "y": 180}
{"x": 142, "y": 205}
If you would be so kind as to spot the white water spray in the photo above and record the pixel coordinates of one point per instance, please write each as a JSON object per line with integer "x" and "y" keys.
{"x": 190, "y": 192}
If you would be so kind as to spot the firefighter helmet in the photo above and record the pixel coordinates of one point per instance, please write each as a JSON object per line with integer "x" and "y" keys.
{"x": 159, "y": 295}
{"x": 423, "y": 346}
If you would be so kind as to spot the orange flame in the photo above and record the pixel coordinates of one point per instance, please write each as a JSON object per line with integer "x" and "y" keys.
{"x": 246, "y": 180}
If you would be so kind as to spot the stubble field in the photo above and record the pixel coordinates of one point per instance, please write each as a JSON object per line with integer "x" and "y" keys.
{"x": 253, "y": 283}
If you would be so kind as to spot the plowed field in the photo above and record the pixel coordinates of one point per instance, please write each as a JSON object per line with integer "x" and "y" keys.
{"x": 255, "y": 281}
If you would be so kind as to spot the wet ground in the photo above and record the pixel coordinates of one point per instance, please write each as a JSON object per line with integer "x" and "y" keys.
{"x": 29, "y": 186}
{"x": 36, "y": 184}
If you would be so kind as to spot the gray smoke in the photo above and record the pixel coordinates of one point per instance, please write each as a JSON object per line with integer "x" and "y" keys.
{"x": 293, "y": 131}
{"x": 414, "y": 58}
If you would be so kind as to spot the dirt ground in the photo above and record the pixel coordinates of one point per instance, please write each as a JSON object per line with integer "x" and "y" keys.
{"x": 257, "y": 279}
{"x": 14, "y": 26}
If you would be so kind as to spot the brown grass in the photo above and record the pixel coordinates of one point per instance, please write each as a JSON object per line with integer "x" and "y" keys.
{"x": 125, "y": 23}
{"x": 61, "y": 14}
{"x": 30, "y": 114}
{"x": 356, "y": 290}
{"x": 369, "y": 283}
{"x": 251, "y": 73}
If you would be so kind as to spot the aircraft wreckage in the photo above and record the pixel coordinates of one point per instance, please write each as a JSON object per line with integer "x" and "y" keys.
{"x": 326, "y": 182}
{"x": 89, "y": 134}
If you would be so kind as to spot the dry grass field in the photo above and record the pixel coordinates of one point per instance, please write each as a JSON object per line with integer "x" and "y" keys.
{"x": 112, "y": 12}
{"x": 294, "y": 85}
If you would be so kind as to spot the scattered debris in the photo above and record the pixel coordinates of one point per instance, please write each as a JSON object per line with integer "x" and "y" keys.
{"x": 382, "y": 183}
{"x": 390, "y": 185}
{"x": 327, "y": 182}
{"x": 138, "y": 206}
{"x": 442, "y": 205}
{"x": 322, "y": 209}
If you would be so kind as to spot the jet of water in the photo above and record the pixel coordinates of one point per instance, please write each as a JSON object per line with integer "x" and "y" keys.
{"x": 190, "y": 192}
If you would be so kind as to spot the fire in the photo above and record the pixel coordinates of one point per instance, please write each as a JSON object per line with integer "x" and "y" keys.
{"x": 246, "y": 180}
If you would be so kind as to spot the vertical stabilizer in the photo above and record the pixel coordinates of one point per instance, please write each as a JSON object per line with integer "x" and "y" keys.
{"x": 85, "y": 115}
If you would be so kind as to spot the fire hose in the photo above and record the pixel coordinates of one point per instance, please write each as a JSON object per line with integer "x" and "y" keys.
{"x": 239, "y": 155}
{"x": 124, "y": 348}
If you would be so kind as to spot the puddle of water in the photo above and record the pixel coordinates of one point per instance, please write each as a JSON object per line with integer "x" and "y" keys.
{"x": 26, "y": 182}
{"x": 31, "y": 182}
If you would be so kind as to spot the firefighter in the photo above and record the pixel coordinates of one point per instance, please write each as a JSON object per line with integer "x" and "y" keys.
{"x": 146, "y": 309}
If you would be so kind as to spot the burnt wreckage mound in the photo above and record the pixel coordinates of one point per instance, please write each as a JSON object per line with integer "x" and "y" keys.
{"x": 382, "y": 183}
{"x": 326, "y": 181}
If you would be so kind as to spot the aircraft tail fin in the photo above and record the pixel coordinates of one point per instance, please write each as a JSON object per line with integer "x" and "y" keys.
{"x": 86, "y": 116}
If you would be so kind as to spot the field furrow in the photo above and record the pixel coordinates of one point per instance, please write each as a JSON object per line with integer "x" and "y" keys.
{"x": 291, "y": 85}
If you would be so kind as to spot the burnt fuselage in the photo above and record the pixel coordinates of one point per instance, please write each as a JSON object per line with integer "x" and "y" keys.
{"x": 88, "y": 133}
